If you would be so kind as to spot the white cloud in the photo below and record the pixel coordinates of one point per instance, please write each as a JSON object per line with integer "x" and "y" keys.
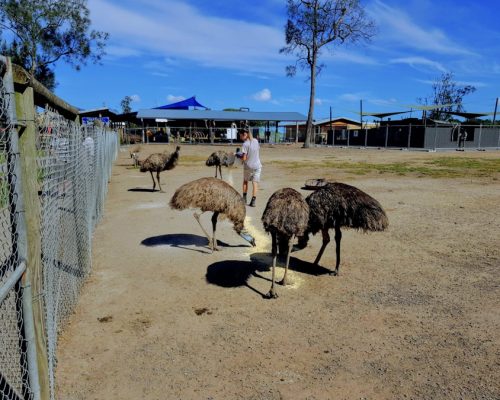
{"x": 352, "y": 97}
{"x": 319, "y": 101}
{"x": 135, "y": 98}
{"x": 174, "y": 99}
{"x": 121, "y": 51}
{"x": 419, "y": 62}
{"x": 263, "y": 95}
{"x": 179, "y": 31}
{"x": 383, "y": 102}
{"x": 398, "y": 26}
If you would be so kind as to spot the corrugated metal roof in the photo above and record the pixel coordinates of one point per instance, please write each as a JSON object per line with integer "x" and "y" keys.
{"x": 220, "y": 115}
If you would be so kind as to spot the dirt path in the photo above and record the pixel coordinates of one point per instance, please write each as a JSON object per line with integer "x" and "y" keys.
{"x": 414, "y": 313}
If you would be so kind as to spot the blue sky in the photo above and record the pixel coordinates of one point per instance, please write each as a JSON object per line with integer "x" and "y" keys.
{"x": 227, "y": 54}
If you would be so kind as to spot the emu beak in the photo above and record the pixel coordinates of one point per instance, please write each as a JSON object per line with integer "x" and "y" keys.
{"x": 248, "y": 238}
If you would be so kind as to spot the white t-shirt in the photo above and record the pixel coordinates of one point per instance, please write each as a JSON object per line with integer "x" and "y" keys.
{"x": 251, "y": 149}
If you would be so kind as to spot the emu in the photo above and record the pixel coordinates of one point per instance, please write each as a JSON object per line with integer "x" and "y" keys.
{"x": 159, "y": 162}
{"x": 286, "y": 216}
{"x": 221, "y": 158}
{"x": 337, "y": 205}
{"x": 217, "y": 196}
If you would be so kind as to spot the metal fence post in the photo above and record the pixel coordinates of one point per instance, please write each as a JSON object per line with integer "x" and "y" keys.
{"x": 480, "y": 134}
{"x": 409, "y": 137}
{"x": 435, "y": 135}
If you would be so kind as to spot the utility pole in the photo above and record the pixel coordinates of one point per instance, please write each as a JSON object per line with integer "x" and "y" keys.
{"x": 361, "y": 112}
{"x": 495, "y": 112}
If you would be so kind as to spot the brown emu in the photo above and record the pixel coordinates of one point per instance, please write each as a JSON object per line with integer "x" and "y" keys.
{"x": 338, "y": 205}
{"x": 221, "y": 158}
{"x": 212, "y": 194}
{"x": 159, "y": 162}
{"x": 285, "y": 217}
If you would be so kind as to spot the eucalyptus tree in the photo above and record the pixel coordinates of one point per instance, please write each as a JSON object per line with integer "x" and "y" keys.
{"x": 38, "y": 33}
{"x": 316, "y": 24}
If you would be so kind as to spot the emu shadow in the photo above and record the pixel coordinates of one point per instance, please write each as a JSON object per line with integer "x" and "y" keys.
{"x": 234, "y": 273}
{"x": 296, "y": 264}
{"x": 142, "y": 190}
{"x": 183, "y": 241}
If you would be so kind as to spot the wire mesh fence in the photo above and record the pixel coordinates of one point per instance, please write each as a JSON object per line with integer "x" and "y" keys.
{"x": 74, "y": 165}
{"x": 14, "y": 377}
{"x": 433, "y": 136}
{"x": 70, "y": 175}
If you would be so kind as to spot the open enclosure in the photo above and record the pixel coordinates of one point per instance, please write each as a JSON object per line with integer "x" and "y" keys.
{"x": 413, "y": 313}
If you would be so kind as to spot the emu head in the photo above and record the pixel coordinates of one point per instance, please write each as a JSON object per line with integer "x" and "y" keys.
{"x": 240, "y": 230}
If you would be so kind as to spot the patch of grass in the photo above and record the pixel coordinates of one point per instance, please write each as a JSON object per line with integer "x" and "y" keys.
{"x": 192, "y": 159}
{"x": 443, "y": 167}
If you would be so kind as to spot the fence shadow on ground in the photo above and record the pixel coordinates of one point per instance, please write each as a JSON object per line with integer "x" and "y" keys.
{"x": 184, "y": 241}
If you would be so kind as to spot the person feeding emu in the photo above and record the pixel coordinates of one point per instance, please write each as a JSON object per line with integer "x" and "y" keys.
{"x": 337, "y": 205}
{"x": 217, "y": 196}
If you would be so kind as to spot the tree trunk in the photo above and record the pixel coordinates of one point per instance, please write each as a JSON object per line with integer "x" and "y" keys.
{"x": 310, "y": 115}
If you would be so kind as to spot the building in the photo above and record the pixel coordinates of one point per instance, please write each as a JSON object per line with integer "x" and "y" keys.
{"x": 336, "y": 126}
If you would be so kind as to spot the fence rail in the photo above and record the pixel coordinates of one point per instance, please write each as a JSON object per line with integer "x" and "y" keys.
{"x": 412, "y": 137}
{"x": 53, "y": 183}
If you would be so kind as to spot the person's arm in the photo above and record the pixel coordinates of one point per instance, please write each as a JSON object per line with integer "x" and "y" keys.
{"x": 244, "y": 150}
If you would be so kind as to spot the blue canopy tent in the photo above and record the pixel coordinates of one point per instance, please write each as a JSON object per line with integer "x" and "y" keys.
{"x": 182, "y": 105}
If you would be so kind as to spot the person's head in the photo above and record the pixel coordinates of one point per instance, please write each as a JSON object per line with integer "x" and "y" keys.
{"x": 245, "y": 135}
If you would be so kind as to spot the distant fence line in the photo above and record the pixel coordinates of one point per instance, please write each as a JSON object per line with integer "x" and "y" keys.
{"x": 413, "y": 137}
{"x": 53, "y": 181}
{"x": 436, "y": 136}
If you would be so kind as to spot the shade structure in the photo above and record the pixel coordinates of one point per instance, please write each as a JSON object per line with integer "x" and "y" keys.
{"x": 182, "y": 105}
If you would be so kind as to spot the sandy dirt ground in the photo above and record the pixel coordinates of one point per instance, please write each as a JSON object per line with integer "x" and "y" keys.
{"x": 414, "y": 313}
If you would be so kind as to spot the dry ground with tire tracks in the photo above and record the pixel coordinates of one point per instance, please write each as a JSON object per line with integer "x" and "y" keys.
{"x": 414, "y": 313}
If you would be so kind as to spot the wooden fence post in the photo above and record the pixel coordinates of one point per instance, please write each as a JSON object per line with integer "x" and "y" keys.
{"x": 25, "y": 110}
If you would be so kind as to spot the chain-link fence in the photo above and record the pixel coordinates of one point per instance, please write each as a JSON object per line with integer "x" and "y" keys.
{"x": 70, "y": 169}
{"x": 74, "y": 166}
{"x": 14, "y": 376}
{"x": 433, "y": 136}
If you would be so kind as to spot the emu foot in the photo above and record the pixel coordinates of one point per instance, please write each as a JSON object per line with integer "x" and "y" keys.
{"x": 271, "y": 295}
{"x": 284, "y": 282}
{"x": 213, "y": 246}
{"x": 334, "y": 273}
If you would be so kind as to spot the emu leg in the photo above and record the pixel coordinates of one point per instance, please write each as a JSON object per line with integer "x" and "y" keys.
{"x": 197, "y": 217}
{"x": 272, "y": 293}
{"x": 216, "y": 171}
{"x": 338, "y": 238}
{"x": 158, "y": 178}
{"x": 214, "y": 225}
{"x": 220, "y": 171}
{"x": 152, "y": 177}
{"x": 326, "y": 240}
{"x": 284, "y": 281}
